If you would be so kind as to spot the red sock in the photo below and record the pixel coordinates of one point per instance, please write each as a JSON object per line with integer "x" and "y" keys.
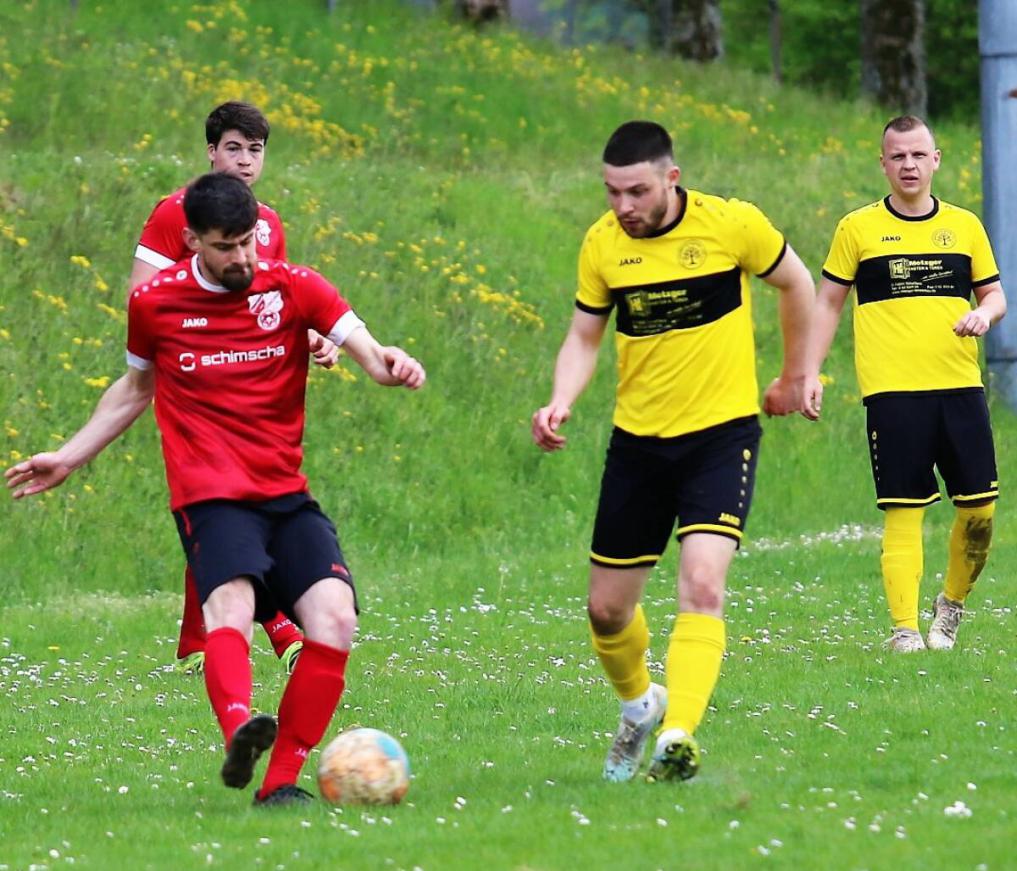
{"x": 192, "y": 624}
{"x": 282, "y": 632}
{"x": 228, "y": 678}
{"x": 311, "y": 697}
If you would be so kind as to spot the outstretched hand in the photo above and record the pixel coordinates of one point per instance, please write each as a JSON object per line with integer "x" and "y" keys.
{"x": 546, "y": 423}
{"x": 36, "y": 475}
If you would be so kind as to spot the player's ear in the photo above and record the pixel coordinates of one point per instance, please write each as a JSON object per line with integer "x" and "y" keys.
{"x": 211, "y": 152}
{"x": 673, "y": 176}
{"x": 191, "y": 239}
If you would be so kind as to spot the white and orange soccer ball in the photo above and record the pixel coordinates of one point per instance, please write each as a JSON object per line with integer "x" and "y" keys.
{"x": 363, "y": 766}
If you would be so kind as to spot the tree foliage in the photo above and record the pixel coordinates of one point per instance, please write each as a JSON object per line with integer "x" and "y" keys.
{"x": 820, "y": 41}
{"x": 822, "y": 47}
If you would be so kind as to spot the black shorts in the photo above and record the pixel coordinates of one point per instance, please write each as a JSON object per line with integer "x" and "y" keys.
{"x": 703, "y": 479}
{"x": 910, "y": 433}
{"x": 284, "y": 546}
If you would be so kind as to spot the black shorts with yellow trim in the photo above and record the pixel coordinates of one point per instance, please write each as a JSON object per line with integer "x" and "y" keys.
{"x": 911, "y": 434}
{"x": 703, "y": 480}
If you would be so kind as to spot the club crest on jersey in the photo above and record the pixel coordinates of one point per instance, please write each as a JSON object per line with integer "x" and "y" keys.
{"x": 692, "y": 254}
{"x": 262, "y": 232}
{"x": 266, "y": 307}
{"x": 944, "y": 238}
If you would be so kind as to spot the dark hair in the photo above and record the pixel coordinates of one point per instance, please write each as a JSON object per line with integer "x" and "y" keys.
{"x": 905, "y": 124}
{"x": 638, "y": 141}
{"x": 236, "y": 116}
{"x": 217, "y": 201}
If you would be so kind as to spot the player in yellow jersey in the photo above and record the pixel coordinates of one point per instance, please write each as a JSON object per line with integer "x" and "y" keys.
{"x": 914, "y": 262}
{"x": 674, "y": 264}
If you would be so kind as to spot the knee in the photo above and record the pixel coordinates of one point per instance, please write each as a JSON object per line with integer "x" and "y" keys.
{"x": 231, "y": 605}
{"x": 608, "y": 617}
{"x": 702, "y": 591}
{"x": 334, "y": 624}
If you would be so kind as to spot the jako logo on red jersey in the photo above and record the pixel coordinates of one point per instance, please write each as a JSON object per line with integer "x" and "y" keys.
{"x": 195, "y": 322}
{"x": 266, "y": 306}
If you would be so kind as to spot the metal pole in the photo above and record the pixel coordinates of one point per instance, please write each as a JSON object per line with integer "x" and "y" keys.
{"x": 997, "y": 43}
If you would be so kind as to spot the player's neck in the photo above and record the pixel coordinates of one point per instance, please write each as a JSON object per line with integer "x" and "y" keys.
{"x": 915, "y": 206}
{"x": 204, "y": 277}
{"x": 675, "y": 199}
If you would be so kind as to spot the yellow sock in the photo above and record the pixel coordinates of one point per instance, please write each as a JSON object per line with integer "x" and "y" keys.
{"x": 969, "y": 549}
{"x": 623, "y": 657}
{"x": 902, "y": 563}
{"x": 693, "y": 665}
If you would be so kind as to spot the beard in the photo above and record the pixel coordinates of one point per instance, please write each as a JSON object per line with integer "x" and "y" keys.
{"x": 651, "y": 223}
{"x": 237, "y": 278}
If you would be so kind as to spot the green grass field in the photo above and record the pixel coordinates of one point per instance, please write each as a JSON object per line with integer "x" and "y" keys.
{"x": 444, "y": 179}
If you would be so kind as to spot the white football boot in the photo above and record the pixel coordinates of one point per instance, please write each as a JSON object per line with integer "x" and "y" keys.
{"x": 905, "y": 640}
{"x": 946, "y": 618}
{"x": 626, "y": 753}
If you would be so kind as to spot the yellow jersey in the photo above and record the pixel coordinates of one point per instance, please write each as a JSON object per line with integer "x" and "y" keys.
{"x": 683, "y": 331}
{"x": 913, "y": 278}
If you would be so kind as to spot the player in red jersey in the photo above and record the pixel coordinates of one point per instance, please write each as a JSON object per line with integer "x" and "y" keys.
{"x": 236, "y": 135}
{"x": 220, "y": 342}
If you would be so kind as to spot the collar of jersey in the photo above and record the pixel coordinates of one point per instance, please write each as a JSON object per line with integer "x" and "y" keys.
{"x": 930, "y": 214}
{"x": 683, "y": 197}
{"x": 204, "y": 282}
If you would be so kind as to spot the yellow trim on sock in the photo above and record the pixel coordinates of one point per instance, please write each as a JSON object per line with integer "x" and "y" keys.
{"x": 623, "y": 657}
{"x": 970, "y": 538}
{"x": 901, "y": 561}
{"x": 694, "y": 655}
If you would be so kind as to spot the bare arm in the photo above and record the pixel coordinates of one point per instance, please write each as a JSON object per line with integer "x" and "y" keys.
{"x": 829, "y": 305}
{"x": 577, "y": 361}
{"x": 789, "y": 392}
{"x": 140, "y": 273}
{"x": 386, "y": 364}
{"x": 116, "y": 410}
{"x": 990, "y": 310}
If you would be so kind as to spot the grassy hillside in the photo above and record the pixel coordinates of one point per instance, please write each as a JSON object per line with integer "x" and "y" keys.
{"x": 443, "y": 179}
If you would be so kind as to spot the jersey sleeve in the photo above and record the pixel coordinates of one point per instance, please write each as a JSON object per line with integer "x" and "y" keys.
{"x": 323, "y": 306}
{"x": 841, "y": 264}
{"x": 162, "y": 238}
{"x": 593, "y": 294}
{"x": 140, "y": 336}
{"x": 983, "y": 264}
{"x": 762, "y": 244}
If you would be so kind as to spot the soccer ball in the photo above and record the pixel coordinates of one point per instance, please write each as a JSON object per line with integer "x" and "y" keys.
{"x": 363, "y": 766}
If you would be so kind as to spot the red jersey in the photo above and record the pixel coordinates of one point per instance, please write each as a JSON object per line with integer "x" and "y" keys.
{"x": 230, "y": 375}
{"x": 162, "y": 239}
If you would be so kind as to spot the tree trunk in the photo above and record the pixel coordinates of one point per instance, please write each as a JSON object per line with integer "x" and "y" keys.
{"x": 479, "y": 11}
{"x": 893, "y": 54}
{"x": 696, "y": 30}
{"x": 776, "y": 39}
{"x": 688, "y": 28}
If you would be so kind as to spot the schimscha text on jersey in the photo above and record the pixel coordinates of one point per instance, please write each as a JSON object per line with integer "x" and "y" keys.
{"x": 223, "y": 358}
